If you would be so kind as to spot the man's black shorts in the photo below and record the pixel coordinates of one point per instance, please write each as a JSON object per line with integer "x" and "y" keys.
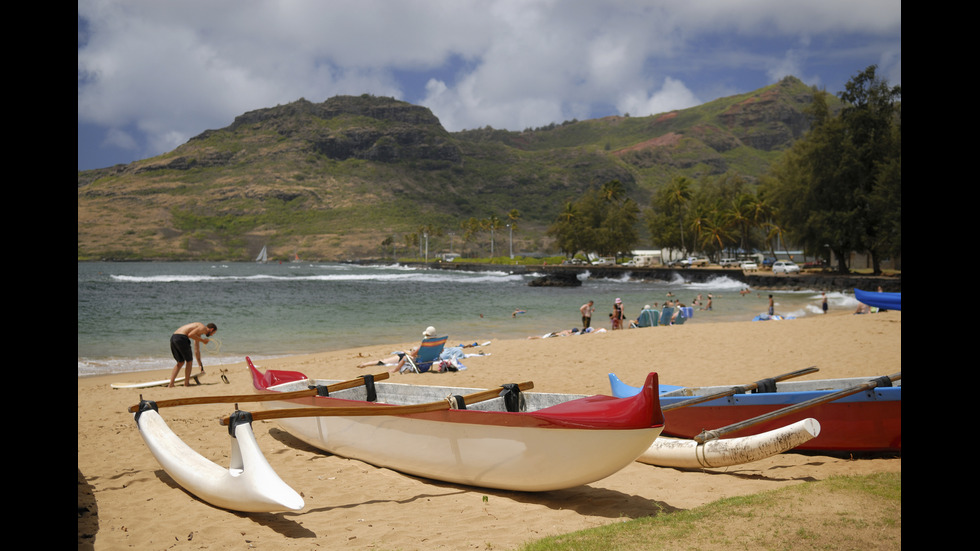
{"x": 180, "y": 347}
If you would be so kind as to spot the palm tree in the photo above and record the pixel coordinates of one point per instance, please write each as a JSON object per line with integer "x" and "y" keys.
{"x": 742, "y": 215}
{"x": 493, "y": 224}
{"x": 678, "y": 196}
{"x": 612, "y": 191}
{"x": 699, "y": 221}
{"x": 717, "y": 230}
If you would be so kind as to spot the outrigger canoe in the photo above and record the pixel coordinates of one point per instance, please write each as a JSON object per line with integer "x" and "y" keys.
{"x": 869, "y": 420}
{"x": 524, "y": 441}
{"x": 885, "y": 301}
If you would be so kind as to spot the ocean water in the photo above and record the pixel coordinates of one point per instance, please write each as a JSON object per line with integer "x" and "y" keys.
{"x": 128, "y": 310}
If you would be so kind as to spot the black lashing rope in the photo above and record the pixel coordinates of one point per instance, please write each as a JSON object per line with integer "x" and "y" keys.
{"x": 372, "y": 394}
{"x": 145, "y": 405}
{"x": 513, "y": 398}
{"x": 765, "y": 385}
{"x": 238, "y": 418}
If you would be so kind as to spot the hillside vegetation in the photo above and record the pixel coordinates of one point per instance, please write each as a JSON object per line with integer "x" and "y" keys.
{"x": 335, "y": 180}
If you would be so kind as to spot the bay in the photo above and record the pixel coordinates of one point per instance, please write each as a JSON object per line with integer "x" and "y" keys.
{"x": 127, "y": 310}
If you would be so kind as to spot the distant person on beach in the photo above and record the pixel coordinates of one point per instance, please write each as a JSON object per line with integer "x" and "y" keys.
{"x": 825, "y": 306}
{"x": 563, "y": 333}
{"x": 772, "y": 308}
{"x": 518, "y": 311}
{"x": 708, "y": 307}
{"x": 587, "y": 309}
{"x": 394, "y": 359}
{"x": 397, "y": 357}
{"x": 619, "y": 314}
{"x": 180, "y": 347}
{"x": 427, "y": 334}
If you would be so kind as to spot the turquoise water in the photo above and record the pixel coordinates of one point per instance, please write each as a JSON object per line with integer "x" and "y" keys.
{"x": 127, "y": 311}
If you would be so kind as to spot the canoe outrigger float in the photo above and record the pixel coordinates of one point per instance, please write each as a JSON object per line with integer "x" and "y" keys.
{"x": 249, "y": 484}
{"x": 683, "y": 453}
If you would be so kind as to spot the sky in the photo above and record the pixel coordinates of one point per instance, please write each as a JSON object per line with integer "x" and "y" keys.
{"x": 153, "y": 74}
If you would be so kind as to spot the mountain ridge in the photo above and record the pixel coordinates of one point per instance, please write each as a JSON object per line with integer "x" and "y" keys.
{"x": 354, "y": 175}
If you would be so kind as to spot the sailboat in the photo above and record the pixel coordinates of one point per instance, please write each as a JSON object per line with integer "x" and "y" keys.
{"x": 263, "y": 255}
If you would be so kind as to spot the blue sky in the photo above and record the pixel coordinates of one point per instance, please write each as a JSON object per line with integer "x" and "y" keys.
{"x": 151, "y": 75}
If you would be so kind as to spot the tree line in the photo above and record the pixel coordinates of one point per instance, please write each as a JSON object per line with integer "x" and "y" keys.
{"x": 467, "y": 231}
{"x": 838, "y": 189}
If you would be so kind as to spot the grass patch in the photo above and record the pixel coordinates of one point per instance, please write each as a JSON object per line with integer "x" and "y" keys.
{"x": 853, "y": 512}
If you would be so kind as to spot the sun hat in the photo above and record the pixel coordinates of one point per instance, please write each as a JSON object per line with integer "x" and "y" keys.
{"x": 619, "y": 300}
{"x": 429, "y": 331}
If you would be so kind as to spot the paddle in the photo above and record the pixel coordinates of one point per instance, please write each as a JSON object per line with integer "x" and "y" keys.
{"x": 193, "y": 400}
{"x": 379, "y": 409}
{"x": 735, "y": 427}
{"x": 737, "y": 389}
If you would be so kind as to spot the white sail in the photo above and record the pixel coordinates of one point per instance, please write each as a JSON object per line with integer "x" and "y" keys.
{"x": 263, "y": 255}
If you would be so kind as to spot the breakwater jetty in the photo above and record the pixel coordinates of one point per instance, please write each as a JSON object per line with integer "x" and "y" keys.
{"x": 818, "y": 281}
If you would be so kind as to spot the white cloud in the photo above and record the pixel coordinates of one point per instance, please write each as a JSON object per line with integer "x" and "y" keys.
{"x": 172, "y": 69}
{"x": 672, "y": 95}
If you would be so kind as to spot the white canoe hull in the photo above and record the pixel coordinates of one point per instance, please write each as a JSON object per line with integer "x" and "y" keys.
{"x": 508, "y": 458}
{"x": 688, "y": 454}
{"x": 248, "y": 485}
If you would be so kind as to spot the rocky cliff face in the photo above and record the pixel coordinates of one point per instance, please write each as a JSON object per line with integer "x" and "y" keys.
{"x": 345, "y": 127}
{"x": 771, "y": 120}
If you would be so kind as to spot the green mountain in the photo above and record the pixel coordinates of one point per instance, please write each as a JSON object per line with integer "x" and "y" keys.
{"x": 333, "y": 180}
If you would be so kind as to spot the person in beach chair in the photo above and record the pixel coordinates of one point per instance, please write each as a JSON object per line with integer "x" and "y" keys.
{"x": 421, "y": 359}
{"x": 648, "y": 317}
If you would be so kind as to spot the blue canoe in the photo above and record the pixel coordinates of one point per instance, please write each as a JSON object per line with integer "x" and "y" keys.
{"x": 870, "y": 421}
{"x": 886, "y": 301}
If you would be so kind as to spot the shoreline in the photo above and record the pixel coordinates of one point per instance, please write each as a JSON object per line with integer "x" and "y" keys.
{"x": 132, "y": 502}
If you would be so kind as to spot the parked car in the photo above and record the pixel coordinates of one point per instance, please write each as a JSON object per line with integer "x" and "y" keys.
{"x": 690, "y": 261}
{"x": 729, "y": 263}
{"x": 784, "y": 267}
{"x": 749, "y": 265}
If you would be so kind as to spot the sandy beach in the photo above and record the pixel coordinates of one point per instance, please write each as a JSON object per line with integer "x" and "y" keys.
{"x": 126, "y": 500}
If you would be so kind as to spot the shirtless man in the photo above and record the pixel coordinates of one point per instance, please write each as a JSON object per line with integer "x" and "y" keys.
{"x": 180, "y": 346}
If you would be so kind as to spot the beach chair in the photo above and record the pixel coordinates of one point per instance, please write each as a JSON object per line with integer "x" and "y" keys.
{"x": 666, "y": 314}
{"x": 428, "y": 353}
{"x": 686, "y": 313}
{"x": 648, "y": 318}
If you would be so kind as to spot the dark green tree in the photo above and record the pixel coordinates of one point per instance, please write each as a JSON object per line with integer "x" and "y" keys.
{"x": 603, "y": 220}
{"x": 839, "y": 188}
